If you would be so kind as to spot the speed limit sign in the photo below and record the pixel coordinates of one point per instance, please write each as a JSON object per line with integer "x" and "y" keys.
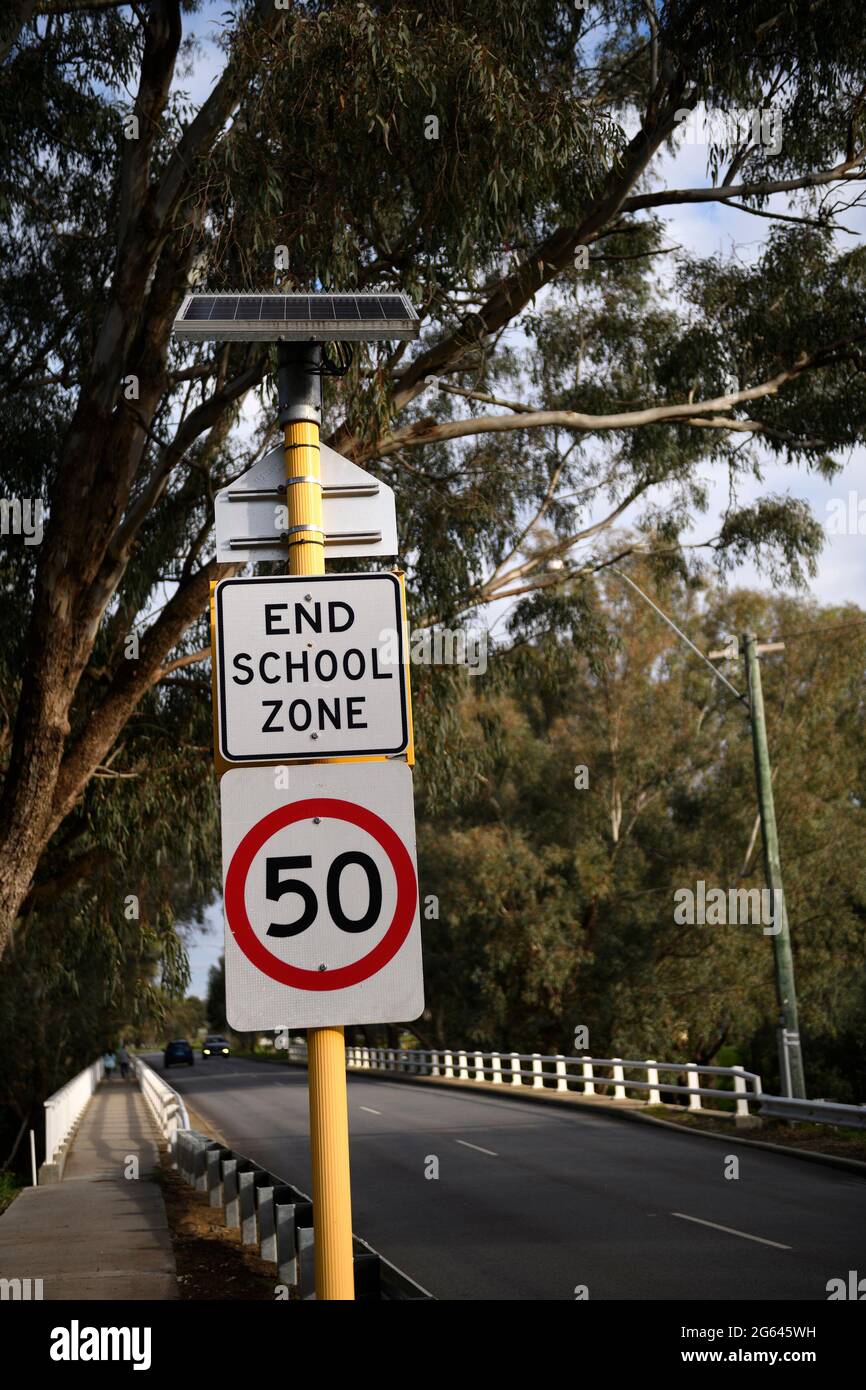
{"x": 321, "y": 896}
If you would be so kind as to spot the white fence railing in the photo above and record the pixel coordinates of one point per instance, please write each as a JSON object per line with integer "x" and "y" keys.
{"x": 165, "y": 1104}
{"x": 64, "y": 1109}
{"x": 588, "y": 1076}
{"x": 615, "y": 1078}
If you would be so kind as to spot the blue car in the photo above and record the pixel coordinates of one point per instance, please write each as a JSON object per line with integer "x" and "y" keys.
{"x": 178, "y": 1051}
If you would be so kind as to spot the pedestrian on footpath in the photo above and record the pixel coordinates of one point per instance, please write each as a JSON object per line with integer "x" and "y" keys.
{"x": 123, "y": 1059}
{"x": 108, "y": 1063}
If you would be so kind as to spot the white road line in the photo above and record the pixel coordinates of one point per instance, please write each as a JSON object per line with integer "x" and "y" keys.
{"x": 730, "y": 1230}
{"x": 369, "y": 1110}
{"x": 476, "y": 1147}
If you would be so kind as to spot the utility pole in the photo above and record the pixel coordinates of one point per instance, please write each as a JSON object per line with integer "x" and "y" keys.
{"x": 790, "y": 1054}
{"x": 299, "y": 385}
{"x": 791, "y": 1072}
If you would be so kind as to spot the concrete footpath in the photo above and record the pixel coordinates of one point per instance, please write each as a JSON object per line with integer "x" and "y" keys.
{"x": 97, "y": 1234}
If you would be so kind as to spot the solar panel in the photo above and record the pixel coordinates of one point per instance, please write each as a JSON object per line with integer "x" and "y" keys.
{"x": 223, "y": 309}
{"x": 297, "y": 308}
{"x": 271, "y": 311}
{"x": 200, "y": 308}
{"x": 298, "y": 317}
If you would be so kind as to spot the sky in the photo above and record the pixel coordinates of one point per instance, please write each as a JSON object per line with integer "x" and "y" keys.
{"x": 702, "y": 230}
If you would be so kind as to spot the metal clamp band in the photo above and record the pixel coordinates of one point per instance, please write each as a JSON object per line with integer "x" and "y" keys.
{"x": 286, "y": 447}
{"x": 302, "y": 478}
{"x": 293, "y": 530}
{"x": 312, "y": 541}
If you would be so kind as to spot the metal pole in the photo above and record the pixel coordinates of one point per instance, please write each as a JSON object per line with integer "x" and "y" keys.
{"x": 784, "y": 1060}
{"x": 782, "y": 957}
{"x": 791, "y": 1072}
{"x": 33, "y": 1158}
{"x": 299, "y": 385}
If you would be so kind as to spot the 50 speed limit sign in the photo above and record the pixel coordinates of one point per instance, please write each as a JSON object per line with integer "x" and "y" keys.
{"x": 321, "y": 896}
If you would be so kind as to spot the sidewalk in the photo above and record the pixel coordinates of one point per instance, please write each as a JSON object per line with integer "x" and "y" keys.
{"x": 97, "y": 1234}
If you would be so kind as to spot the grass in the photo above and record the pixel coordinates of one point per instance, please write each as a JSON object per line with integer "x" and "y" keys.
{"x": 835, "y": 1140}
{"x": 255, "y": 1056}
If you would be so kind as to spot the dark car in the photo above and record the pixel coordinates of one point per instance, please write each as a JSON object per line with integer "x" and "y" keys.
{"x": 215, "y": 1047}
{"x": 178, "y": 1051}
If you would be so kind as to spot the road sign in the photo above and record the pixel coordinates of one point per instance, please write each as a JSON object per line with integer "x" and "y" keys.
{"x": 311, "y": 667}
{"x": 321, "y": 896}
{"x": 358, "y": 512}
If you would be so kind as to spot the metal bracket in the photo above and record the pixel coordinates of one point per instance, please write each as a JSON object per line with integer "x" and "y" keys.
{"x": 332, "y": 538}
{"x": 328, "y": 490}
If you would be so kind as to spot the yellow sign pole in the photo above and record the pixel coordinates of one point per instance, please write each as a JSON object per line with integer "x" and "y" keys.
{"x": 326, "y": 1049}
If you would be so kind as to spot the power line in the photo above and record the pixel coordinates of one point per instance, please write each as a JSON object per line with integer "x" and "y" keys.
{"x": 688, "y": 641}
{"x": 826, "y": 627}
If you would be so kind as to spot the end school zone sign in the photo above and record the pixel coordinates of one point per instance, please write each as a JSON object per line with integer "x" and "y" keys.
{"x": 311, "y": 667}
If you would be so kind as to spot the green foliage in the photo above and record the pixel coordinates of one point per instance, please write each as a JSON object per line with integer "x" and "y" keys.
{"x": 514, "y": 979}
{"x": 100, "y": 948}
{"x": 9, "y": 1189}
{"x": 215, "y": 1004}
{"x": 184, "y": 1018}
{"x": 325, "y": 151}
{"x": 556, "y": 903}
{"x": 484, "y": 71}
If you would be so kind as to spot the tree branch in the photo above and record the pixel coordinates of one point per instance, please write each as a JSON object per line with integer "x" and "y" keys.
{"x": 546, "y": 261}
{"x": 204, "y": 417}
{"x": 844, "y": 172}
{"x": 21, "y": 14}
{"x": 132, "y": 680}
{"x": 201, "y": 655}
{"x": 208, "y": 122}
{"x": 82, "y": 867}
{"x": 162, "y": 37}
{"x": 426, "y": 431}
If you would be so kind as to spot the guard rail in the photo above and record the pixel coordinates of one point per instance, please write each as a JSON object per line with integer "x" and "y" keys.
{"x": 592, "y": 1076}
{"x": 269, "y": 1213}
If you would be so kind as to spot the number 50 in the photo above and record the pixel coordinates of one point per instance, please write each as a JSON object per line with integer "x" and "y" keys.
{"x": 276, "y": 887}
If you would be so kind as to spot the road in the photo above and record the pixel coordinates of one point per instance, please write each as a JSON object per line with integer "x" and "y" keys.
{"x": 531, "y": 1202}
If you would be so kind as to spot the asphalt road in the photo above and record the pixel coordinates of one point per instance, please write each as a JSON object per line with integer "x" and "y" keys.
{"x": 530, "y": 1202}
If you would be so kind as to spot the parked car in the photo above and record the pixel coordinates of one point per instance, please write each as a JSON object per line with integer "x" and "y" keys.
{"x": 178, "y": 1051}
{"x": 215, "y": 1047}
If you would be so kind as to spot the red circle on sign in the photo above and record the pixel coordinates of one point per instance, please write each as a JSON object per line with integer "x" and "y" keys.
{"x": 236, "y": 908}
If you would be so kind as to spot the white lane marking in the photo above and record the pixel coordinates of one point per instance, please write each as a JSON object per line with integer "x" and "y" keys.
{"x": 730, "y": 1230}
{"x": 369, "y": 1110}
{"x": 476, "y": 1147}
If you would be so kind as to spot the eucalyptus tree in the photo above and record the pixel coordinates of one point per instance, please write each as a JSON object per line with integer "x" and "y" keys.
{"x": 497, "y": 159}
{"x": 612, "y": 777}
